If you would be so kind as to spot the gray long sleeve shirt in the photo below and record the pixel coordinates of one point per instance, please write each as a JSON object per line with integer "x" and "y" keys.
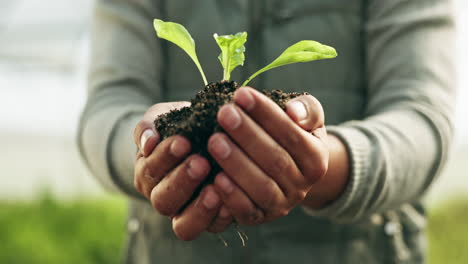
{"x": 389, "y": 96}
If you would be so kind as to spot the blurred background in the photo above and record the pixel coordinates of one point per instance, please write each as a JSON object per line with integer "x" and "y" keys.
{"x": 52, "y": 210}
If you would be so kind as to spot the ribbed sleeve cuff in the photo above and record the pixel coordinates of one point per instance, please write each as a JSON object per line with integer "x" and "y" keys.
{"x": 347, "y": 206}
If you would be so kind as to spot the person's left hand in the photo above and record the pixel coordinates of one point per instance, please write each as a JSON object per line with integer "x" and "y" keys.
{"x": 270, "y": 158}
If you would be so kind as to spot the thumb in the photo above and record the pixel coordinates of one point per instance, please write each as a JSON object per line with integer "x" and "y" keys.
{"x": 145, "y": 137}
{"x": 306, "y": 111}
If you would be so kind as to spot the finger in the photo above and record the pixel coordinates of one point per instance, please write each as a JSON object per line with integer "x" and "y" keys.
{"x": 306, "y": 150}
{"x": 198, "y": 216}
{"x": 178, "y": 187}
{"x": 237, "y": 202}
{"x": 145, "y": 137}
{"x": 263, "y": 190}
{"x": 222, "y": 221}
{"x": 142, "y": 181}
{"x": 306, "y": 111}
{"x": 150, "y": 170}
{"x": 167, "y": 155}
{"x": 255, "y": 142}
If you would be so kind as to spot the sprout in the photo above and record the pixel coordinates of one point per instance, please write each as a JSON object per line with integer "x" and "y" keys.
{"x": 232, "y": 49}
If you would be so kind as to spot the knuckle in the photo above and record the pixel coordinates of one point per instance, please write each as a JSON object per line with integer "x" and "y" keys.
{"x": 281, "y": 163}
{"x": 251, "y": 144}
{"x": 161, "y": 207}
{"x": 143, "y": 180}
{"x": 319, "y": 170}
{"x": 298, "y": 196}
{"x": 182, "y": 233}
{"x": 280, "y": 213}
{"x": 244, "y": 216}
{"x": 268, "y": 197}
{"x": 253, "y": 217}
{"x": 138, "y": 185}
{"x": 322, "y": 167}
{"x": 293, "y": 139}
{"x": 243, "y": 219}
{"x": 283, "y": 213}
{"x": 258, "y": 217}
{"x": 154, "y": 172}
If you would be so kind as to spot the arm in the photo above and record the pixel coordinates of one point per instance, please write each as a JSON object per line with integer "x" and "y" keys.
{"x": 123, "y": 84}
{"x": 401, "y": 145}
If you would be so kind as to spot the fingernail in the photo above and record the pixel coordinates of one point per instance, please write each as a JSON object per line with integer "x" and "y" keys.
{"x": 195, "y": 170}
{"x": 230, "y": 117}
{"x": 178, "y": 149}
{"x": 221, "y": 148}
{"x": 244, "y": 98}
{"x": 223, "y": 212}
{"x": 144, "y": 138}
{"x": 224, "y": 183}
{"x": 299, "y": 110}
{"x": 211, "y": 199}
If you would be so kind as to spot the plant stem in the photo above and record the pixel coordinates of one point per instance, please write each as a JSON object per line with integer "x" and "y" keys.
{"x": 226, "y": 73}
{"x": 201, "y": 72}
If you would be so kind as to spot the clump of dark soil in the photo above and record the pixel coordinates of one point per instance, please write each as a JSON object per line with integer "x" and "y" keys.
{"x": 198, "y": 121}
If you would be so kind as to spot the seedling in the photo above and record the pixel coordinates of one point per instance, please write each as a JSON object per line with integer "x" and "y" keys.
{"x": 232, "y": 49}
{"x": 198, "y": 121}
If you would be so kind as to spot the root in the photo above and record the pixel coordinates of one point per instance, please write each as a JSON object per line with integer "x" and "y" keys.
{"x": 223, "y": 240}
{"x": 243, "y": 236}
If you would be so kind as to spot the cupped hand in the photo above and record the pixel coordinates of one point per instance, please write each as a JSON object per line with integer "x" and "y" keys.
{"x": 168, "y": 176}
{"x": 270, "y": 158}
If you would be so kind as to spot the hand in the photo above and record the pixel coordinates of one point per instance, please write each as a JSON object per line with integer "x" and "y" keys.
{"x": 168, "y": 178}
{"x": 270, "y": 158}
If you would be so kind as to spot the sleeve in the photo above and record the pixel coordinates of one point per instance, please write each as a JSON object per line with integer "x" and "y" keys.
{"x": 400, "y": 146}
{"x": 123, "y": 83}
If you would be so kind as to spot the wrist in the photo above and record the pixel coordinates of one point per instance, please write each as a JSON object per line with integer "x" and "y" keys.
{"x": 333, "y": 183}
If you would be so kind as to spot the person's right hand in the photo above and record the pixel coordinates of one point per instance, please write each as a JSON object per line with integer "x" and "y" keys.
{"x": 168, "y": 177}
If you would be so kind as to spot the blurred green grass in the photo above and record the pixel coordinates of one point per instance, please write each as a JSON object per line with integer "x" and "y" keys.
{"x": 92, "y": 231}
{"x": 448, "y": 232}
{"x": 50, "y": 231}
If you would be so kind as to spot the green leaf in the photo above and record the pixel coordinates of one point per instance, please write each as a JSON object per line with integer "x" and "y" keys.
{"x": 177, "y": 34}
{"x": 232, "y": 51}
{"x": 302, "y": 51}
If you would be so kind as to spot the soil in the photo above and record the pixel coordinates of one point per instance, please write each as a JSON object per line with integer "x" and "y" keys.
{"x": 198, "y": 121}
